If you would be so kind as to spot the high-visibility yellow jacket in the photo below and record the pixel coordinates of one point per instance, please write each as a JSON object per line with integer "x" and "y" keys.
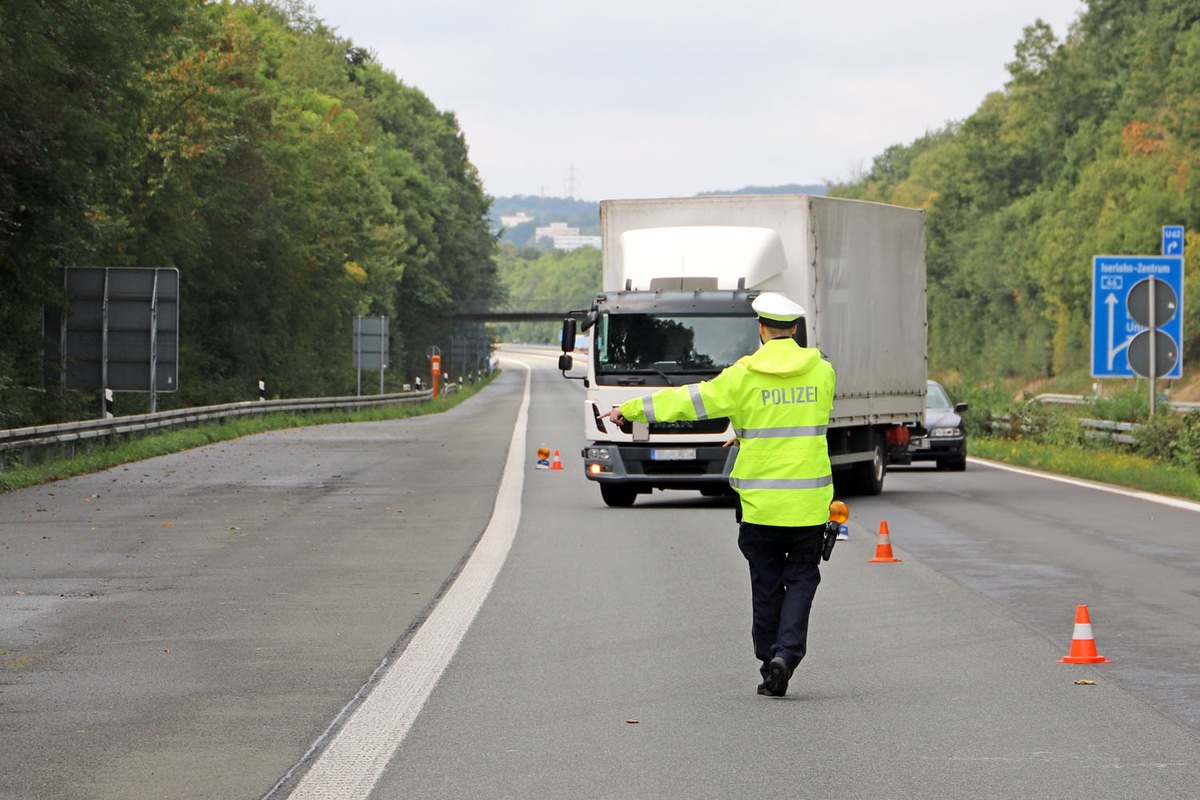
{"x": 778, "y": 400}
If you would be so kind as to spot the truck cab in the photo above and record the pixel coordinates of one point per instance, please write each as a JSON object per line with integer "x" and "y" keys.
{"x": 642, "y": 341}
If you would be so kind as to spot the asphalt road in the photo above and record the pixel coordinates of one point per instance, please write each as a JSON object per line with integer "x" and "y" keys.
{"x": 206, "y": 625}
{"x": 188, "y": 626}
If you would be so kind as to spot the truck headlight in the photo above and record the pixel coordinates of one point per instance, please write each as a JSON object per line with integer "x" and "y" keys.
{"x": 597, "y": 454}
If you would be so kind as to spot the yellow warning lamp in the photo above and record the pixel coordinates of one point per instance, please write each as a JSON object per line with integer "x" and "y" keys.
{"x": 838, "y": 512}
{"x": 543, "y": 453}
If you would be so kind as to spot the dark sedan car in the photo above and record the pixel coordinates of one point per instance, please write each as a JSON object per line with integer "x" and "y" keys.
{"x": 946, "y": 442}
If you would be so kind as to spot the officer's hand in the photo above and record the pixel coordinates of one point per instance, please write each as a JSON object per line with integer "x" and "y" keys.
{"x": 614, "y": 416}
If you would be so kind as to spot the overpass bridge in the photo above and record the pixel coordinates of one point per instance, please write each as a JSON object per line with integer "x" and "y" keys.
{"x": 509, "y": 316}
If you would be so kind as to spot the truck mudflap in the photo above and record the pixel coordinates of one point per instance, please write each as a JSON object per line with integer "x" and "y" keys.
{"x": 669, "y": 466}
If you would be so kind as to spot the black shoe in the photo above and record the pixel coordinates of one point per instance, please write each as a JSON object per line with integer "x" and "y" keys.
{"x": 762, "y": 688}
{"x": 778, "y": 675}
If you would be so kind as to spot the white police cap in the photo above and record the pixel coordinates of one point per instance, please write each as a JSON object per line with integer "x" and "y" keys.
{"x": 773, "y": 307}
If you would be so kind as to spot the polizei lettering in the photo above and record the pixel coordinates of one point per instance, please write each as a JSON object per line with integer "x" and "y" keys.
{"x": 789, "y": 395}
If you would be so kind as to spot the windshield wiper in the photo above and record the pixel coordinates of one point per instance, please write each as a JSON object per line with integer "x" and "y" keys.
{"x": 635, "y": 375}
{"x": 650, "y": 371}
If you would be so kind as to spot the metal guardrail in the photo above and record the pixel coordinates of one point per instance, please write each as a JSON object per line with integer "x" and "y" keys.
{"x": 56, "y": 440}
{"x": 1078, "y": 400}
{"x": 1120, "y": 432}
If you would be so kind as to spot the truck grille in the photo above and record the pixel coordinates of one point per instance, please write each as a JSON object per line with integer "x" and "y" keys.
{"x": 696, "y": 427}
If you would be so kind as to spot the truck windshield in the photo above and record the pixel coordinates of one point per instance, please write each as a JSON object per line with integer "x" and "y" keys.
{"x": 665, "y": 345}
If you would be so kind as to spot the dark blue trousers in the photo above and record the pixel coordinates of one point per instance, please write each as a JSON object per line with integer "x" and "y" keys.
{"x": 784, "y": 575}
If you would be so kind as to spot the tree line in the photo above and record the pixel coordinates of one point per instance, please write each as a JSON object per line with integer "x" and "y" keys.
{"x": 292, "y": 180}
{"x": 1091, "y": 147}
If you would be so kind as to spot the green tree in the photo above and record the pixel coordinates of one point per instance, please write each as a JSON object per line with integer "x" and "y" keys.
{"x": 70, "y": 96}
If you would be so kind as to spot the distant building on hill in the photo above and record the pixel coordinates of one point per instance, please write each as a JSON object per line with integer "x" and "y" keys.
{"x": 565, "y": 237}
{"x": 576, "y": 242}
{"x": 513, "y": 220}
{"x": 553, "y": 231}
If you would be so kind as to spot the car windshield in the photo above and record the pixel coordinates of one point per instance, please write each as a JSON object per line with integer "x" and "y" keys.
{"x": 936, "y": 397}
{"x": 672, "y": 344}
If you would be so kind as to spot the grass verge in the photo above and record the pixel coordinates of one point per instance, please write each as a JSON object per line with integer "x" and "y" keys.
{"x": 174, "y": 440}
{"x": 1095, "y": 464}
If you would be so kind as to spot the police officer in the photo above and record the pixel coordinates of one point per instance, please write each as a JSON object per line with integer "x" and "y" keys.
{"x": 778, "y": 400}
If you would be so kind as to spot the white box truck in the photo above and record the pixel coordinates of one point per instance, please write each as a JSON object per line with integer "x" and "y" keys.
{"x": 679, "y": 275}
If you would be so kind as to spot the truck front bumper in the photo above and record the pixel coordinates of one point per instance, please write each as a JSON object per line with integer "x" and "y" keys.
{"x": 670, "y": 466}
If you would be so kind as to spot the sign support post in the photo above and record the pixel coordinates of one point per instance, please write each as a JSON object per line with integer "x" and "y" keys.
{"x": 1153, "y": 328}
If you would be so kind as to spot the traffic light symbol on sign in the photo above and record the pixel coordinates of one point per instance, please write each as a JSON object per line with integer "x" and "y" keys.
{"x": 1165, "y": 306}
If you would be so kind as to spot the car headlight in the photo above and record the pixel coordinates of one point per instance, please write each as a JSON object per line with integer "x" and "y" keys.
{"x": 945, "y": 433}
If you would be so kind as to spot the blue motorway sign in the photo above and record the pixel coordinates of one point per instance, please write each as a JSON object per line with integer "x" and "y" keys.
{"x": 1172, "y": 240}
{"x": 1122, "y": 289}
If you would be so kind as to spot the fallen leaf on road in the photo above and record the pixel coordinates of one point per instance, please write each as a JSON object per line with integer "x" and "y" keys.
{"x": 1085, "y": 682}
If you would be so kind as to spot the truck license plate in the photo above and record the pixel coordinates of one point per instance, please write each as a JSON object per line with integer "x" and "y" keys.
{"x": 674, "y": 454}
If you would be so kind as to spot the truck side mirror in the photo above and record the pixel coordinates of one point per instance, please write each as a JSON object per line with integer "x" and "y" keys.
{"x": 565, "y": 362}
{"x": 568, "y": 337}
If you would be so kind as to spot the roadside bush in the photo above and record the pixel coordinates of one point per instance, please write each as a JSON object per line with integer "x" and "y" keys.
{"x": 984, "y": 403}
{"x": 1055, "y": 425}
{"x": 1172, "y": 438}
{"x": 1130, "y": 406}
{"x": 1157, "y": 438}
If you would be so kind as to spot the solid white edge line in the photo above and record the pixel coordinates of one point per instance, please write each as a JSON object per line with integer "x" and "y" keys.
{"x": 359, "y": 753}
{"x": 1161, "y": 499}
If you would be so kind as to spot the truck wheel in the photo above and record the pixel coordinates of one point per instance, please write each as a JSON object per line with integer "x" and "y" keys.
{"x": 868, "y": 475}
{"x": 617, "y": 496}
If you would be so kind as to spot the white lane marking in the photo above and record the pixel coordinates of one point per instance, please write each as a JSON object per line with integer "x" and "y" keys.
{"x": 357, "y": 756}
{"x": 1162, "y": 499}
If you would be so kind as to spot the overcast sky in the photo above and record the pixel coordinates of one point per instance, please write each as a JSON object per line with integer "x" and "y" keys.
{"x": 655, "y": 98}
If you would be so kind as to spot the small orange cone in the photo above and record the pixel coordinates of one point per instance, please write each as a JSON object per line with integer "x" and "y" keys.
{"x": 883, "y": 550}
{"x": 557, "y": 462}
{"x": 1083, "y": 646}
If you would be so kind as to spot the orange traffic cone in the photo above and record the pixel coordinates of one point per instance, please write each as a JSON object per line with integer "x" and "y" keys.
{"x": 1083, "y": 646}
{"x": 883, "y": 550}
{"x": 557, "y": 462}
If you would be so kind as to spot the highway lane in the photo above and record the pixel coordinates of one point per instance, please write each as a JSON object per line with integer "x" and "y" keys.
{"x": 612, "y": 656}
{"x": 1039, "y": 546}
{"x": 189, "y": 626}
{"x": 612, "y": 659}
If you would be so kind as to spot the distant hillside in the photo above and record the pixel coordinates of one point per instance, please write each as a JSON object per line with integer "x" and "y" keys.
{"x": 582, "y": 214}
{"x": 585, "y": 214}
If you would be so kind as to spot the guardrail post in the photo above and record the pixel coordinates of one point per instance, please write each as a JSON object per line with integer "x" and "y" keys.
{"x": 262, "y": 391}
{"x": 108, "y": 404}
